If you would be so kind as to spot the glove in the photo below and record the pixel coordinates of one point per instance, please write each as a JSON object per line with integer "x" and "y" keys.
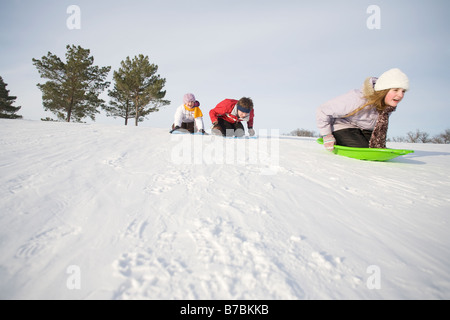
{"x": 175, "y": 129}
{"x": 251, "y": 132}
{"x": 328, "y": 142}
{"x": 216, "y": 130}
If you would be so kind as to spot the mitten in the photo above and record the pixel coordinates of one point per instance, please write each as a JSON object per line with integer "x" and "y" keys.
{"x": 175, "y": 129}
{"x": 251, "y": 132}
{"x": 328, "y": 142}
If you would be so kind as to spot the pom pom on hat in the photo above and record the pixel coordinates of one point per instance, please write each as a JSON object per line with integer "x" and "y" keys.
{"x": 188, "y": 97}
{"x": 392, "y": 79}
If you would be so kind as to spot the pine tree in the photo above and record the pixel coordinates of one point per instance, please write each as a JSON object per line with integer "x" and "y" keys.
{"x": 137, "y": 91}
{"x": 7, "y": 110}
{"x": 120, "y": 106}
{"x": 73, "y": 89}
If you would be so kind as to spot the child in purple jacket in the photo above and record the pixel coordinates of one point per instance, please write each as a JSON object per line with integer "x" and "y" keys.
{"x": 360, "y": 118}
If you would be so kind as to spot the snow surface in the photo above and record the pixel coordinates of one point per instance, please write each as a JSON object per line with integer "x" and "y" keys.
{"x": 91, "y": 211}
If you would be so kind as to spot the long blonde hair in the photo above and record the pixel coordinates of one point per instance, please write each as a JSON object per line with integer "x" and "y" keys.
{"x": 375, "y": 99}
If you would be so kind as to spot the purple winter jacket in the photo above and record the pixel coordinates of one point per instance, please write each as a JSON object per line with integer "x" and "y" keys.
{"x": 330, "y": 116}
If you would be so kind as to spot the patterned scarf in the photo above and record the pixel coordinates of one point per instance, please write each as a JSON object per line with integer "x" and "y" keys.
{"x": 378, "y": 139}
{"x": 196, "y": 110}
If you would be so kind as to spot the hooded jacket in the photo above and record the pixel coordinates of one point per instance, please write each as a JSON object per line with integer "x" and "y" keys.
{"x": 336, "y": 114}
{"x": 227, "y": 110}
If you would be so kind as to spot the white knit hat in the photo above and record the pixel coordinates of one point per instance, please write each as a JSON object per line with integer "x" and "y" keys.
{"x": 392, "y": 79}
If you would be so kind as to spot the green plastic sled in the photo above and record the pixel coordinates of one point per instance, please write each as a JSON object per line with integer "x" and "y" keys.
{"x": 369, "y": 154}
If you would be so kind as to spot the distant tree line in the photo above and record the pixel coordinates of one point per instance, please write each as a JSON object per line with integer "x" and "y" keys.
{"x": 423, "y": 137}
{"x": 303, "y": 133}
{"x": 411, "y": 137}
{"x": 73, "y": 88}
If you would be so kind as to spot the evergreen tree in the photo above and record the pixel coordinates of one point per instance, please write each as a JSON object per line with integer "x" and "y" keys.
{"x": 7, "y": 110}
{"x": 120, "y": 105}
{"x": 137, "y": 91}
{"x": 73, "y": 89}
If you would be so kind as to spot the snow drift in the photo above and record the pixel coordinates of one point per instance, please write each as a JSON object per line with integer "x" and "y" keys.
{"x": 112, "y": 212}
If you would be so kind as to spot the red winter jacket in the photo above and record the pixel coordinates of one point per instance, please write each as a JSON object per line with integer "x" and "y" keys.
{"x": 227, "y": 110}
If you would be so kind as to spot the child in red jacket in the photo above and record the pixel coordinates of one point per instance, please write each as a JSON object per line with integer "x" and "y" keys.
{"x": 228, "y": 115}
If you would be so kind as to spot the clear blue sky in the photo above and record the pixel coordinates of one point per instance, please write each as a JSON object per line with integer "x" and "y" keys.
{"x": 288, "y": 56}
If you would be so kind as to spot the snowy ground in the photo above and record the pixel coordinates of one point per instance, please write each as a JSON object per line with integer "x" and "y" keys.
{"x": 114, "y": 212}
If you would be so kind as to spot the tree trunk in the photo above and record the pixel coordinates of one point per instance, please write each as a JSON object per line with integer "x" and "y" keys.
{"x": 69, "y": 113}
{"x": 136, "y": 103}
{"x": 126, "y": 113}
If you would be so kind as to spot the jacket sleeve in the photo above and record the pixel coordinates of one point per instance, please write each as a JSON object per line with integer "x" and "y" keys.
{"x": 199, "y": 123}
{"x": 226, "y": 106}
{"x": 178, "y": 116}
{"x": 336, "y": 108}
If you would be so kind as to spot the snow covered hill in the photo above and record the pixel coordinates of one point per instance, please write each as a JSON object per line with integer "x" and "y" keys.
{"x": 113, "y": 212}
